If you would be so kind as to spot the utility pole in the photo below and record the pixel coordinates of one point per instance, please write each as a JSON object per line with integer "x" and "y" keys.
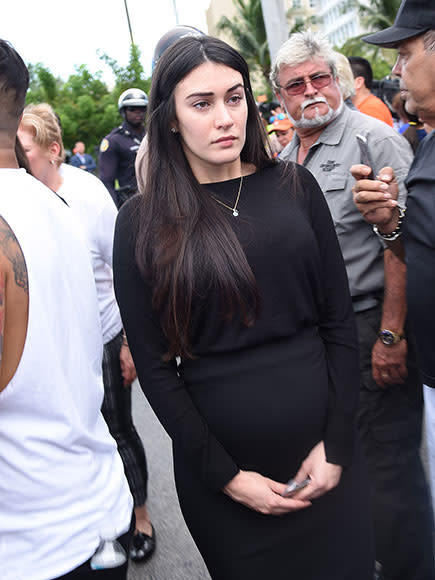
{"x": 175, "y": 12}
{"x": 275, "y": 22}
{"x": 128, "y": 20}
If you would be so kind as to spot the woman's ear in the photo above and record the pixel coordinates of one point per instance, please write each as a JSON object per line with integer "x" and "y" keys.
{"x": 54, "y": 149}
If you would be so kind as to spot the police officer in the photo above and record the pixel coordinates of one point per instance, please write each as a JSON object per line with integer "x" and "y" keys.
{"x": 118, "y": 149}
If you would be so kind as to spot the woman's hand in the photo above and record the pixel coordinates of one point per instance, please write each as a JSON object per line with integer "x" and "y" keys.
{"x": 324, "y": 476}
{"x": 262, "y": 494}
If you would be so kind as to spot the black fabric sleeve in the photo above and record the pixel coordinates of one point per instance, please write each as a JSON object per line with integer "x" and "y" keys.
{"x": 337, "y": 329}
{"x": 159, "y": 380}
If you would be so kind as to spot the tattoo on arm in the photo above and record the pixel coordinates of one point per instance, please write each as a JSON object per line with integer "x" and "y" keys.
{"x": 11, "y": 250}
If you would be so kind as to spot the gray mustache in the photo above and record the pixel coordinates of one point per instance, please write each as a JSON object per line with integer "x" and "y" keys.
{"x": 309, "y": 102}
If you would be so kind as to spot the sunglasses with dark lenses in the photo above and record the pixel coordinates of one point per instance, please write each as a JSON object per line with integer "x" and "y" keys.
{"x": 134, "y": 109}
{"x": 318, "y": 80}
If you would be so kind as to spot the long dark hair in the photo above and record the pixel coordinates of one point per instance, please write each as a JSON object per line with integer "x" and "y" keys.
{"x": 185, "y": 244}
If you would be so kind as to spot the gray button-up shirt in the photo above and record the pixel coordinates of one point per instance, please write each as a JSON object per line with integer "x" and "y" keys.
{"x": 329, "y": 160}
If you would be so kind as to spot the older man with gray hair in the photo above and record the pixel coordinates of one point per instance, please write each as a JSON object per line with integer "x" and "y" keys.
{"x": 329, "y": 139}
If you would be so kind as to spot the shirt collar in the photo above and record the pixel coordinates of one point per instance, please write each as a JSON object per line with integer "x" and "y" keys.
{"x": 330, "y": 135}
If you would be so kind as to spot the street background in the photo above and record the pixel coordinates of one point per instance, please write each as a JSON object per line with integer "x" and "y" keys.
{"x": 176, "y": 556}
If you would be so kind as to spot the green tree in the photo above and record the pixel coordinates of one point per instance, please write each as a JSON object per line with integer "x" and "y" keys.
{"x": 43, "y": 86}
{"x": 376, "y": 15}
{"x": 130, "y": 76}
{"x": 300, "y": 18}
{"x": 87, "y": 108}
{"x": 82, "y": 107}
{"x": 249, "y": 33}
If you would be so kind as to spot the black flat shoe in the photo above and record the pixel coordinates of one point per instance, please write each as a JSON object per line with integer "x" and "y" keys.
{"x": 142, "y": 546}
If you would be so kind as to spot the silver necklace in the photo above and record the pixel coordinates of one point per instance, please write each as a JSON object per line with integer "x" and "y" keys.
{"x": 232, "y": 209}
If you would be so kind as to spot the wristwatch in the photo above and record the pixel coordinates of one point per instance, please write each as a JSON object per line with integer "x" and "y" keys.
{"x": 389, "y": 337}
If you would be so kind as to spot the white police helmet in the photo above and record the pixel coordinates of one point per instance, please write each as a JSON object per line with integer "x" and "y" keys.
{"x": 132, "y": 98}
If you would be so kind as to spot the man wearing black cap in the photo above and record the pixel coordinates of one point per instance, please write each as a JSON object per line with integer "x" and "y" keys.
{"x": 413, "y": 34}
{"x": 390, "y": 403}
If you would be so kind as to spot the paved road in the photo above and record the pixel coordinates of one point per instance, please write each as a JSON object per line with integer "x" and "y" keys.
{"x": 176, "y": 556}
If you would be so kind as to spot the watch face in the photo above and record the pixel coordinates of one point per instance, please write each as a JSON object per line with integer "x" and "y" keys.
{"x": 387, "y": 337}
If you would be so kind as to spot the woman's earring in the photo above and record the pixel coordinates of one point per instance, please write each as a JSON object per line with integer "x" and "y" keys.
{"x": 173, "y": 130}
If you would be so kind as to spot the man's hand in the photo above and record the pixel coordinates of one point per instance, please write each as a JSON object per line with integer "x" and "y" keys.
{"x": 324, "y": 476}
{"x": 128, "y": 369}
{"x": 389, "y": 363}
{"x": 376, "y": 199}
{"x": 262, "y": 494}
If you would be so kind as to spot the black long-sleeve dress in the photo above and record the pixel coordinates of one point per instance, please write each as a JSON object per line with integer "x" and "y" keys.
{"x": 260, "y": 398}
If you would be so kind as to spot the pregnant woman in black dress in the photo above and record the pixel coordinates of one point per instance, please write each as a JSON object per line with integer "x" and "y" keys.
{"x": 228, "y": 263}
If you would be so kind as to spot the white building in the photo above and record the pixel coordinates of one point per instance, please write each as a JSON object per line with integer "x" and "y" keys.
{"x": 337, "y": 20}
{"x": 333, "y": 17}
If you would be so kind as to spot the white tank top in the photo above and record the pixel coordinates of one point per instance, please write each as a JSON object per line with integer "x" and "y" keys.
{"x": 61, "y": 477}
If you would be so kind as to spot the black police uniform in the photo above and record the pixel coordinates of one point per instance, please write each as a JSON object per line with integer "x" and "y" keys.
{"x": 116, "y": 161}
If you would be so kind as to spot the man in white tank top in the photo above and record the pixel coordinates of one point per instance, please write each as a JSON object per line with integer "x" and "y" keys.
{"x": 62, "y": 482}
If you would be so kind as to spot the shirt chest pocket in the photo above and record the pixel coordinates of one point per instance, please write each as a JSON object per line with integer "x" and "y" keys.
{"x": 335, "y": 188}
{"x": 335, "y": 180}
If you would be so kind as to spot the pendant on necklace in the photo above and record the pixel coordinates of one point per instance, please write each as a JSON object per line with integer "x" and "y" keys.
{"x": 234, "y": 209}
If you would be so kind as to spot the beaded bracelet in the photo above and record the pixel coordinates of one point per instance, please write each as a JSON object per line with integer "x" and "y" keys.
{"x": 397, "y": 230}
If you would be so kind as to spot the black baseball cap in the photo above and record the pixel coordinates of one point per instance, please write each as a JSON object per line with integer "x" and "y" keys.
{"x": 413, "y": 18}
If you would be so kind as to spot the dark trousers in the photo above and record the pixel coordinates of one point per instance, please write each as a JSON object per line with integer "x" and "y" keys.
{"x": 390, "y": 423}
{"x": 116, "y": 410}
{"x": 85, "y": 572}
